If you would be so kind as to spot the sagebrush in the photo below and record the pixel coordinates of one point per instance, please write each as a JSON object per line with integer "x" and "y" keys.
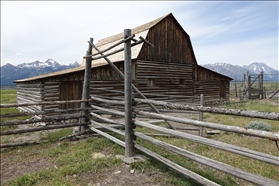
{"x": 259, "y": 125}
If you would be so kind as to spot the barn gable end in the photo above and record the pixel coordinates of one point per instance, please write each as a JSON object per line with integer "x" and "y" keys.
{"x": 172, "y": 43}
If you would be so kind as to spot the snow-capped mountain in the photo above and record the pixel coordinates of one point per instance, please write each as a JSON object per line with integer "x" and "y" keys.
{"x": 39, "y": 64}
{"x": 9, "y": 73}
{"x": 261, "y": 67}
{"x": 237, "y": 72}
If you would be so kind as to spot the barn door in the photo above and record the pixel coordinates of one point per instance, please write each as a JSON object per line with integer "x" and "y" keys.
{"x": 70, "y": 90}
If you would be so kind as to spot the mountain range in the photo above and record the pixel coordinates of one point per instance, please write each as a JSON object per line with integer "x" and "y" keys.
{"x": 9, "y": 72}
{"x": 237, "y": 72}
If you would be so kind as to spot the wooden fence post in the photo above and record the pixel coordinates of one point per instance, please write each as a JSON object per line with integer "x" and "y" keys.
{"x": 86, "y": 88}
{"x": 129, "y": 144}
{"x": 201, "y": 113}
{"x": 249, "y": 85}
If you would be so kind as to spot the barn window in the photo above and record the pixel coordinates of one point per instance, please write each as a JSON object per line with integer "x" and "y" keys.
{"x": 151, "y": 82}
{"x": 181, "y": 81}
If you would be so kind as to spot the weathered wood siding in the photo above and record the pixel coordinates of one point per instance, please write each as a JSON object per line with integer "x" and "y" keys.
{"x": 107, "y": 72}
{"x": 29, "y": 92}
{"x": 214, "y": 86}
{"x": 106, "y": 83}
{"x": 162, "y": 80}
{"x": 70, "y": 90}
{"x": 172, "y": 44}
{"x": 50, "y": 92}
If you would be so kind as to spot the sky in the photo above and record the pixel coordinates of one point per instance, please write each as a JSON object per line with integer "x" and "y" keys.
{"x": 234, "y": 32}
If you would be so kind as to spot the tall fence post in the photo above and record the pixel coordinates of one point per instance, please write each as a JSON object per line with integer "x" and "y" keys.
{"x": 129, "y": 143}
{"x": 86, "y": 88}
{"x": 201, "y": 113}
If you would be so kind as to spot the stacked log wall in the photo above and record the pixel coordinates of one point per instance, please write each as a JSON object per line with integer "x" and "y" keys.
{"x": 50, "y": 92}
{"x": 214, "y": 86}
{"x": 106, "y": 83}
{"x": 172, "y": 82}
{"x": 29, "y": 93}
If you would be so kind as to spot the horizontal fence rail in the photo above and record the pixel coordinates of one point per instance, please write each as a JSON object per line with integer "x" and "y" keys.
{"x": 240, "y": 130}
{"x": 49, "y": 123}
{"x": 42, "y": 103}
{"x": 216, "y": 110}
{"x": 213, "y": 143}
{"x": 171, "y": 164}
{"x": 55, "y": 111}
{"x": 50, "y": 127}
{"x": 253, "y": 178}
{"x": 45, "y": 120}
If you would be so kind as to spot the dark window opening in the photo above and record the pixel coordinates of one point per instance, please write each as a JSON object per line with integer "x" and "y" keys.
{"x": 181, "y": 81}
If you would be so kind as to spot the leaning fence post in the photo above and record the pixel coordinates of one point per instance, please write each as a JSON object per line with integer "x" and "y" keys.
{"x": 129, "y": 144}
{"x": 86, "y": 88}
{"x": 201, "y": 113}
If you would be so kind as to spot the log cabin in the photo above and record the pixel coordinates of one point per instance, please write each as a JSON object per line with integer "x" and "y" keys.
{"x": 169, "y": 71}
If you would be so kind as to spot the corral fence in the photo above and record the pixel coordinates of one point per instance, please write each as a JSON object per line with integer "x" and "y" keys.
{"x": 254, "y": 86}
{"x": 102, "y": 113}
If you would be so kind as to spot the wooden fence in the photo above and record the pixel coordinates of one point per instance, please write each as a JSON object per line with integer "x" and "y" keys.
{"x": 127, "y": 112}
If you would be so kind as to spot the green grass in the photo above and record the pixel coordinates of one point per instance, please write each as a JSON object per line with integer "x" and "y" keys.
{"x": 9, "y": 96}
{"x": 254, "y": 143}
{"x": 258, "y": 105}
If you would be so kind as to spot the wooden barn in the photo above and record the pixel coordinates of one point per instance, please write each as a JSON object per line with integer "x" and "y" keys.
{"x": 169, "y": 71}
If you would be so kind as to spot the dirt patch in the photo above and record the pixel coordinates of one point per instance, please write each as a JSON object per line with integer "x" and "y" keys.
{"x": 124, "y": 175}
{"x": 11, "y": 169}
{"x": 14, "y": 165}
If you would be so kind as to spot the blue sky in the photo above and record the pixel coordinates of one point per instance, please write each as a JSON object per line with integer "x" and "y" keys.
{"x": 234, "y": 32}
